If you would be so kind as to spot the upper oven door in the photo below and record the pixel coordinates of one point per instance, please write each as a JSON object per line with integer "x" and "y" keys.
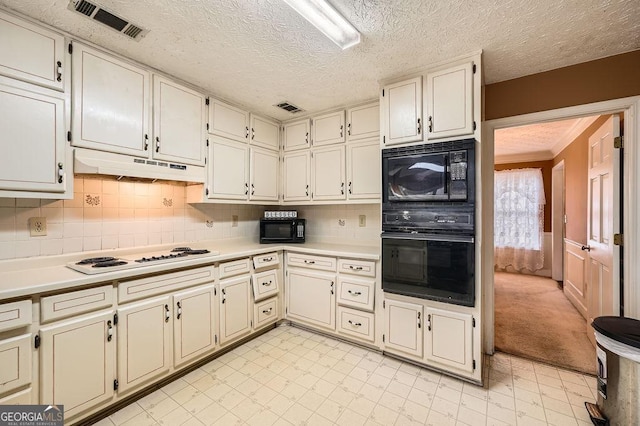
{"x": 417, "y": 177}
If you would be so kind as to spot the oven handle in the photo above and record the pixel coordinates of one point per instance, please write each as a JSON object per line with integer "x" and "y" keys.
{"x": 427, "y": 237}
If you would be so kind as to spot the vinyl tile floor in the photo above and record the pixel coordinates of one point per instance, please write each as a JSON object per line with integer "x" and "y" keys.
{"x": 290, "y": 376}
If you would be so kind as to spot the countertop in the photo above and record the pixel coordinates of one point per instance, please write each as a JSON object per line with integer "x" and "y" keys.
{"x": 47, "y": 274}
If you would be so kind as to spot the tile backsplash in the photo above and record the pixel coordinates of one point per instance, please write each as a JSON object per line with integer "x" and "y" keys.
{"x": 106, "y": 213}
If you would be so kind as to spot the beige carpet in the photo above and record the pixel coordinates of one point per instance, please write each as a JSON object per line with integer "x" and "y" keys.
{"x": 534, "y": 319}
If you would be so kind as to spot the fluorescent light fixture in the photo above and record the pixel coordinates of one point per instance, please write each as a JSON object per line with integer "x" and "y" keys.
{"x": 325, "y": 18}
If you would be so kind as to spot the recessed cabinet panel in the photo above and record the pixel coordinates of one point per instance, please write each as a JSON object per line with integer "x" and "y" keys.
{"x": 228, "y": 121}
{"x": 111, "y": 103}
{"x": 75, "y": 303}
{"x": 31, "y": 53}
{"x": 450, "y": 102}
{"x": 15, "y": 359}
{"x": 228, "y": 171}
{"x": 402, "y": 106}
{"x": 448, "y": 338}
{"x": 356, "y": 323}
{"x": 403, "y": 327}
{"x": 363, "y": 171}
{"x": 356, "y": 292}
{"x": 328, "y": 129}
{"x": 328, "y": 170}
{"x": 311, "y": 298}
{"x": 363, "y": 122}
{"x": 268, "y": 260}
{"x": 297, "y": 135}
{"x": 234, "y": 267}
{"x": 265, "y": 284}
{"x": 15, "y": 315}
{"x": 32, "y": 157}
{"x": 264, "y": 174}
{"x": 266, "y": 312}
{"x": 297, "y": 175}
{"x": 235, "y": 308}
{"x": 194, "y": 324}
{"x": 265, "y": 132}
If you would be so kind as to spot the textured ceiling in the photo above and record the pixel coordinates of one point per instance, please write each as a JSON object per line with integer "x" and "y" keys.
{"x": 260, "y": 52}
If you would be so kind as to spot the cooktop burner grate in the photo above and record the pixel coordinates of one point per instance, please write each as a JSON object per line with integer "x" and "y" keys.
{"x": 93, "y": 260}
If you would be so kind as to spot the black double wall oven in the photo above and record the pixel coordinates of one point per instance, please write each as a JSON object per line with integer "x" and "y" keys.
{"x": 428, "y": 221}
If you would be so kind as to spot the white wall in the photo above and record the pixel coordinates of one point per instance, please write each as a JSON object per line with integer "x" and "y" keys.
{"x": 340, "y": 223}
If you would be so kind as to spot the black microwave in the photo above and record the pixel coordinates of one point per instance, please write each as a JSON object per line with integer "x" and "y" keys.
{"x": 429, "y": 173}
{"x": 282, "y": 230}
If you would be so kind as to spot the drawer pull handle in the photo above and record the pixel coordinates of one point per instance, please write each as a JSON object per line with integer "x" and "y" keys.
{"x": 355, "y": 293}
{"x": 267, "y": 259}
{"x": 224, "y": 293}
{"x": 267, "y": 311}
{"x": 59, "y": 71}
{"x": 355, "y": 324}
{"x": 355, "y": 268}
{"x": 166, "y": 313}
{"x": 331, "y": 287}
{"x": 310, "y": 262}
{"x": 179, "y": 311}
{"x": 267, "y": 283}
{"x": 109, "y": 331}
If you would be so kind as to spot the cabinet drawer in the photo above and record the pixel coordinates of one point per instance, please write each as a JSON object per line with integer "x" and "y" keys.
{"x": 15, "y": 359}
{"x": 265, "y": 284}
{"x": 266, "y": 260}
{"x": 356, "y": 293}
{"x": 265, "y": 312}
{"x": 311, "y": 262}
{"x": 235, "y": 267}
{"x": 75, "y": 302}
{"x": 151, "y": 286}
{"x": 356, "y": 323}
{"x": 364, "y": 268}
{"x": 15, "y": 314}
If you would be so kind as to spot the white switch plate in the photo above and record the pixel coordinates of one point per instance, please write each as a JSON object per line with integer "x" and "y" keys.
{"x": 38, "y": 226}
{"x": 234, "y": 221}
{"x": 362, "y": 220}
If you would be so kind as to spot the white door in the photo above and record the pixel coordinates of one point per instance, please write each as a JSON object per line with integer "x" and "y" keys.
{"x": 77, "y": 362}
{"x": 296, "y": 135}
{"x": 328, "y": 173}
{"x": 603, "y": 271}
{"x": 402, "y": 111}
{"x": 194, "y": 324}
{"x": 264, "y": 174}
{"x": 235, "y": 308}
{"x": 296, "y": 176}
{"x": 179, "y": 119}
{"x": 449, "y": 338}
{"x": 228, "y": 170}
{"x": 265, "y": 132}
{"x": 328, "y": 129}
{"x": 228, "y": 121}
{"x": 15, "y": 359}
{"x": 364, "y": 171}
{"x": 311, "y": 298}
{"x": 144, "y": 342}
{"x": 403, "y": 325}
{"x": 32, "y": 156}
{"x": 450, "y": 102}
{"x": 111, "y": 103}
{"x": 363, "y": 122}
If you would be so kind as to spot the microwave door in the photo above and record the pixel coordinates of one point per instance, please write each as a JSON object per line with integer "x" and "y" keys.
{"x": 417, "y": 178}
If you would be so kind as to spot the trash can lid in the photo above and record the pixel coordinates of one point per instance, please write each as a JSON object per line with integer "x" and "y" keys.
{"x": 620, "y": 329}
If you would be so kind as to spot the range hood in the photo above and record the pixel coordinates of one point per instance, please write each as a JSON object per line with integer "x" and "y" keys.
{"x": 106, "y": 163}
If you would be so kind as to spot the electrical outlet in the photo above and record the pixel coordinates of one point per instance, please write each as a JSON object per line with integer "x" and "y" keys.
{"x": 234, "y": 221}
{"x": 342, "y": 222}
{"x": 362, "y": 221}
{"x": 38, "y": 226}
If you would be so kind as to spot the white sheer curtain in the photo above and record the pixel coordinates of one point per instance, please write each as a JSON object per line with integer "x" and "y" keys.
{"x": 519, "y": 219}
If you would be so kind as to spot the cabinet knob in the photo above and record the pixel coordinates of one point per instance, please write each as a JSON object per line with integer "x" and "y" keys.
{"x": 354, "y": 293}
{"x": 246, "y": 132}
{"x": 349, "y": 129}
{"x": 109, "y": 331}
{"x": 157, "y": 144}
{"x": 267, "y": 311}
{"x": 350, "y": 185}
{"x": 429, "y": 322}
{"x": 355, "y": 324}
{"x": 419, "y": 126}
{"x": 60, "y": 172}
{"x": 342, "y": 188}
{"x": 430, "y": 124}
{"x": 179, "y": 310}
{"x": 419, "y": 320}
{"x": 341, "y": 128}
{"x": 59, "y": 71}
{"x": 146, "y": 142}
{"x": 267, "y": 284}
{"x": 167, "y": 314}
{"x": 331, "y": 287}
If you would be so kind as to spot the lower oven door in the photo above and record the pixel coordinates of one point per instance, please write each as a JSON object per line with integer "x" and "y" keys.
{"x": 436, "y": 267}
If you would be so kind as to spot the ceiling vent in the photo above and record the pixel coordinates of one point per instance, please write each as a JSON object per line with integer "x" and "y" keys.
{"x": 289, "y": 107}
{"x": 107, "y": 18}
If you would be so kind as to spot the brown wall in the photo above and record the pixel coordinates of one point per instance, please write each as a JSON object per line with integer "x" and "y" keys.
{"x": 600, "y": 80}
{"x": 546, "y": 167}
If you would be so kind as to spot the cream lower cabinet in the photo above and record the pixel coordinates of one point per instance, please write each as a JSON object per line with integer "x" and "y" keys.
{"x": 194, "y": 322}
{"x": 448, "y": 339}
{"x": 311, "y": 297}
{"x": 235, "y": 308}
{"x": 403, "y": 328}
{"x": 15, "y": 373}
{"x": 77, "y": 362}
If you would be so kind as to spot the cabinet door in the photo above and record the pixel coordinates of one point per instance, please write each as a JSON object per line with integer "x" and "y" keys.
{"x": 328, "y": 129}
{"x": 363, "y": 171}
{"x": 15, "y": 359}
{"x": 265, "y": 132}
{"x": 311, "y": 298}
{"x": 228, "y": 171}
{"x": 403, "y": 324}
{"x": 448, "y": 338}
{"x": 228, "y": 121}
{"x": 235, "y": 308}
{"x": 296, "y": 135}
{"x": 402, "y": 107}
{"x": 77, "y": 362}
{"x": 363, "y": 122}
{"x": 32, "y": 156}
{"x": 328, "y": 173}
{"x": 450, "y": 102}
{"x": 296, "y": 176}
{"x": 111, "y": 102}
{"x": 194, "y": 324}
{"x": 33, "y": 54}
{"x": 179, "y": 119}
{"x": 264, "y": 174}
{"x": 144, "y": 342}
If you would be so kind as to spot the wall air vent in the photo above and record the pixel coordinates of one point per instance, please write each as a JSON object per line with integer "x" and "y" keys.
{"x": 289, "y": 107}
{"x": 102, "y": 15}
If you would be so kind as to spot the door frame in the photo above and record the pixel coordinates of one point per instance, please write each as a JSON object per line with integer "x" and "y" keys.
{"x": 557, "y": 221}
{"x": 631, "y": 199}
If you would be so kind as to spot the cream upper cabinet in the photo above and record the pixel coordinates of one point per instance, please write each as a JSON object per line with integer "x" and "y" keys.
{"x": 179, "y": 118}
{"x": 77, "y": 361}
{"x": 328, "y": 173}
{"x": 228, "y": 170}
{"x": 235, "y": 308}
{"x": 265, "y": 132}
{"x": 363, "y": 122}
{"x": 296, "y": 135}
{"x": 32, "y": 158}
{"x": 402, "y": 112}
{"x": 111, "y": 103}
{"x": 403, "y": 327}
{"x": 364, "y": 171}
{"x": 263, "y": 166}
{"x": 228, "y": 121}
{"x": 448, "y": 338}
{"x": 311, "y": 297}
{"x": 449, "y": 96}
{"x": 31, "y": 53}
{"x": 296, "y": 176}
{"x": 328, "y": 129}
{"x": 194, "y": 325}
